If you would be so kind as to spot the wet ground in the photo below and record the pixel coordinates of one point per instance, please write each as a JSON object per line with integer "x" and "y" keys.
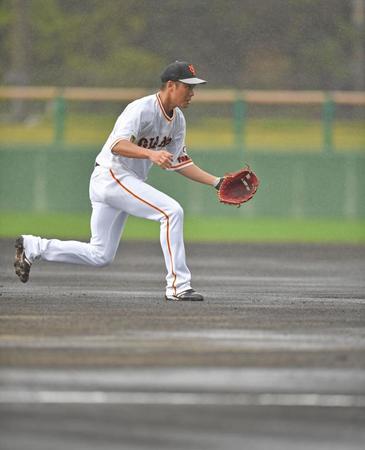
{"x": 273, "y": 358}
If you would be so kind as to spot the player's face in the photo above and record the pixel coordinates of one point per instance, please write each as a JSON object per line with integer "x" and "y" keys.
{"x": 183, "y": 94}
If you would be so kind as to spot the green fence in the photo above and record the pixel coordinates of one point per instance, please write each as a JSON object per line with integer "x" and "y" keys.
{"x": 292, "y": 185}
{"x": 240, "y": 102}
{"x": 322, "y": 183}
{"x": 328, "y": 109}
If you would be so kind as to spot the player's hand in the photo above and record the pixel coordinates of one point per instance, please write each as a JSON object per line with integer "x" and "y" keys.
{"x": 161, "y": 158}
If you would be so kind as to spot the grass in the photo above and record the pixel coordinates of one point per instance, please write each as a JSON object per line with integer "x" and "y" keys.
{"x": 275, "y": 134}
{"x": 204, "y": 229}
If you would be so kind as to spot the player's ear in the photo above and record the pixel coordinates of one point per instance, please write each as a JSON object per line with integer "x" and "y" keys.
{"x": 171, "y": 84}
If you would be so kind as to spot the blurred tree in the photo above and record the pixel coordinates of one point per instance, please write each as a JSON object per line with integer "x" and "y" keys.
{"x": 89, "y": 43}
{"x": 258, "y": 44}
{"x": 5, "y": 37}
{"x": 241, "y": 43}
{"x": 358, "y": 54}
{"x": 16, "y": 71}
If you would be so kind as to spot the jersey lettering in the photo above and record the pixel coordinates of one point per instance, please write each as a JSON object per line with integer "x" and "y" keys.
{"x": 154, "y": 142}
{"x": 183, "y": 158}
{"x": 143, "y": 143}
{"x": 165, "y": 141}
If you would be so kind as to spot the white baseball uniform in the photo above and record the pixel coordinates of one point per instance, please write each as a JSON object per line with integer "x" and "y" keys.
{"x": 118, "y": 189}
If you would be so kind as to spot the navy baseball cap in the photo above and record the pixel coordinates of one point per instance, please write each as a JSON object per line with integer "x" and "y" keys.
{"x": 181, "y": 71}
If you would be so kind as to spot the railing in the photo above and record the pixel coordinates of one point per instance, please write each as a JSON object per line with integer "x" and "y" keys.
{"x": 240, "y": 99}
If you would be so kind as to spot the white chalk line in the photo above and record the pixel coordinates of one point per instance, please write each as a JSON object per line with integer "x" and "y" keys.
{"x": 212, "y": 379}
{"x": 180, "y": 399}
{"x": 209, "y": 339}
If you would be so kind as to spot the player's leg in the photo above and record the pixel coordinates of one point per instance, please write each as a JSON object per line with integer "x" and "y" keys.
{"x": 107, "y": 224}
{"x": 142, "y": 200}
{"x": 103, "y": 238}
{"x": 106, "y": 227}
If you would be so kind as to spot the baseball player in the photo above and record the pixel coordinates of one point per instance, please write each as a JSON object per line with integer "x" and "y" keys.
{"x": 151, "y": 130}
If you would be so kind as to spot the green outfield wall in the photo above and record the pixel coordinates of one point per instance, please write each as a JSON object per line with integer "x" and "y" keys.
{"x": 292, "y": 185}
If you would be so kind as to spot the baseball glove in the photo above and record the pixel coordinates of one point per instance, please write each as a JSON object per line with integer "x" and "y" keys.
{"x": 238, "y": 187}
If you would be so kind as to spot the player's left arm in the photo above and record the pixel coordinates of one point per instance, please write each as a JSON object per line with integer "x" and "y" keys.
{"x": 195, "y": 173}
{"x": 187, "y": 167}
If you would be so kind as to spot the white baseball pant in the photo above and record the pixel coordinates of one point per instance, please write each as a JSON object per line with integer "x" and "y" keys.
{"x": 114, "y": 196}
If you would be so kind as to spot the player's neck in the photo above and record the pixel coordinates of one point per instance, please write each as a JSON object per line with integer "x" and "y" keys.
{"x": 167, "y": 103}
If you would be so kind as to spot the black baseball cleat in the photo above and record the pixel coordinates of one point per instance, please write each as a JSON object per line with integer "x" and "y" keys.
{"x": 21, "y": 263}
{"x": 188, "y": 296}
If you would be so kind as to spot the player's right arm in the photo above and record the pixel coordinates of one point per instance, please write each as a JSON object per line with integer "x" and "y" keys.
{"x": 161, "y": 158}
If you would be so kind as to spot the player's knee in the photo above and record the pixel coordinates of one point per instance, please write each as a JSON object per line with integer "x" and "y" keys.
{"x": 102, "y": 259}
{"x": 177, "y": 212}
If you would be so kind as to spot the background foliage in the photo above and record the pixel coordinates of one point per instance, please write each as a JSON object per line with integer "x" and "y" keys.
{"x": 305, "y": 44}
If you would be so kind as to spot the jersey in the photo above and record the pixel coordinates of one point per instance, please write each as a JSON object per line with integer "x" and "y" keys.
{"x": 146, "y": 123}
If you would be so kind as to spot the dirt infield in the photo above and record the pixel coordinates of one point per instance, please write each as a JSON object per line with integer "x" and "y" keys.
{"x": 95, "y": 358}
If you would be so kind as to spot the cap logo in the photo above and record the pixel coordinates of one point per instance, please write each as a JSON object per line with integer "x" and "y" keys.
{"x": 192, "y": 69}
